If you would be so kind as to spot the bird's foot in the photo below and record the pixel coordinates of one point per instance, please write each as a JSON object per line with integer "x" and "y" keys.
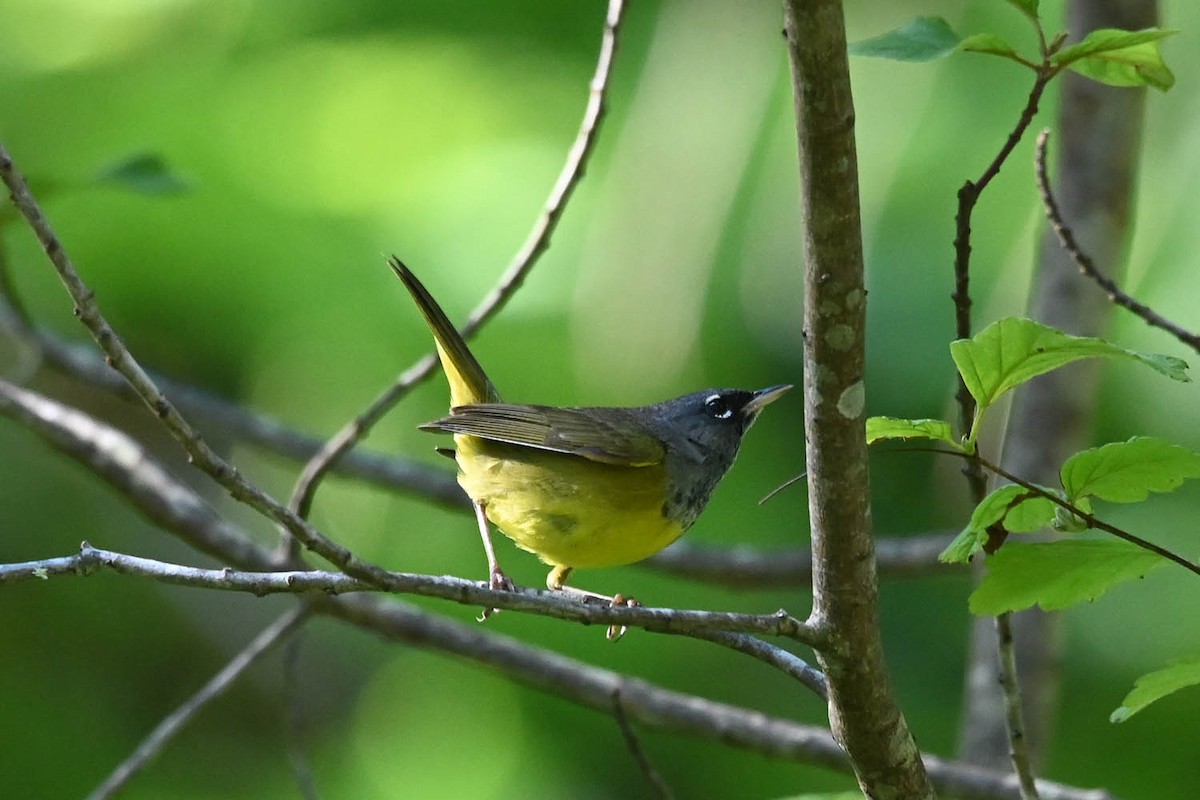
{"x": 615, "y": 632}
{"x": 499, "y": 582}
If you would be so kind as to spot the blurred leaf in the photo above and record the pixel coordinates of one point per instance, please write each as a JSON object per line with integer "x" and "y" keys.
{"x": 968, "y": 542}
{"x": 896, "y": 428}
{"x": 1107, "y": 40}
{"x": 1056, "y": 575}
{"x": 145, "y": 173}
{"x": 1010, "y": 351}
{"x": 1134, "y": 66}
{"x": 1126, "y": 472}
{"x": 1027, "y": 7}
{"x": 1157, "y": 685}
{"x": 923, "y": 39}
{"x": 1021, "y": 511}
{"x": 988, "y": 43}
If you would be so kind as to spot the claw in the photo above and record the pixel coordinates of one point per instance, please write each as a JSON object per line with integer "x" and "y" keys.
{"x": 500, "y": 582}
{"x": 615, "y": 632}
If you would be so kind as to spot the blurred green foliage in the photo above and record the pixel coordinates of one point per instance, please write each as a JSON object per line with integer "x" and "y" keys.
{"x": 315, "y": 137}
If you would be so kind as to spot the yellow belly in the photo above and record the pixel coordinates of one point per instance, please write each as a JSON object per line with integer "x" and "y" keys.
{"x": 568, "y": 510}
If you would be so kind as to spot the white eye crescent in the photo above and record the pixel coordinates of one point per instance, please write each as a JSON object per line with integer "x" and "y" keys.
{"x": 716, "y": 406}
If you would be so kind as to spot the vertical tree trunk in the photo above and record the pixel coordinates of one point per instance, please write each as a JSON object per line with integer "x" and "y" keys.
{"x": 863, "y": 713}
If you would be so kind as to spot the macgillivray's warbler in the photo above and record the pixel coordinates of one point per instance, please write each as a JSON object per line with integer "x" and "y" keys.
{"x": 582, "y": 487}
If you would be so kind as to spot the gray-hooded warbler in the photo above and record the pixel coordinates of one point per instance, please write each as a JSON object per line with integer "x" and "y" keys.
{"x": 582, "y": 487}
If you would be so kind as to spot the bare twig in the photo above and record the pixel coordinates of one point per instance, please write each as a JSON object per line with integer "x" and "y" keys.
{"x": 658, "y": 708}
{"x": 166, "y": 730}
{"x": 472, "y": 593}
{"x": 294, "y": 722}
{"x": 968, "y": 196}
{"x": 81, "y": 362}
{"x": 634, "y": 746}
{"x": 126, "y": 466}
{"x": 535, "y": 244}
{"x": 119, "y": 357}
{"x": 1014, "y": 713}
{"x": 756, "y": 568}
{"x": 1088, "y": 267}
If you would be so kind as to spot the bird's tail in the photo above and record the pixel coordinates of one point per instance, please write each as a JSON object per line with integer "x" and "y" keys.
{"x": 468, "y": 382}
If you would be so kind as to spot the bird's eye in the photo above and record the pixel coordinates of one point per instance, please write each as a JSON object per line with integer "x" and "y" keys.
{"x": 716, "y": 407}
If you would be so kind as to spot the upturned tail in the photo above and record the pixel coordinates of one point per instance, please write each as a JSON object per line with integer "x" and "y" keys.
{"x": 468, "y": 382}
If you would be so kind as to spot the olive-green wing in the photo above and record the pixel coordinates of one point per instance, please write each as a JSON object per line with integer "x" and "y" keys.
{"x": 605, "y": 435}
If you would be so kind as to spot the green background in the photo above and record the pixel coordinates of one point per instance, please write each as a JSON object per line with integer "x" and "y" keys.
{"x": 317, "y": 137}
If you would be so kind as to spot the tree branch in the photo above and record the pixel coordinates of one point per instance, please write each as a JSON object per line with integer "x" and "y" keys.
{"x": 1088, "y": 267}
{"x": 171, "y": 725}
{"x": 119, "y": 357}
{"x": 863, "y": 713}
{"x": 535, "y": 244}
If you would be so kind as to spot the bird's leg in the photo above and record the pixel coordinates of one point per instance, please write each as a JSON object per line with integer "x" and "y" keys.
{"x": 496, "y": 577}
{"x": 556, "y": 582}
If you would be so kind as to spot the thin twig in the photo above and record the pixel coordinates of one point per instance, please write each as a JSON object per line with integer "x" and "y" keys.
{"x": 783, "y": 660}
{"x": 659, "y": 708}
{"x": 81, "y": 363}
{"x": 1088, "y": 267}
{"x": 119, "y": 357}
{"x": 1014, "y": 712}
{"x": 473, "y": 593}
{"x": 758, "y": 568}
{"x": 1092, "y": 520}
{"x": 634, "y": 745}
{"x": 166, "y": 730}
{"x": 535, "y": 244}
{"x": 132, "y": 471}
{"x": 294, "y": 723}
{"x": 968, "y": 196}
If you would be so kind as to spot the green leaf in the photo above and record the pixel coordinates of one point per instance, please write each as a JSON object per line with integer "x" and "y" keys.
{"x": 1027, "y": 7}
{"x": 1059, "y": 574}
{"x": 1021, "y": 511}
{"x": 988, "y": 43}
{"x": 1134, "y": 66}
{"x": 1120, "y": 58}
{"x": 1126, "y": 472}
{"x": 1010, "y": 351}
{"x": 923, "y": 39}
{"x": 1157, "y": 685}
{"x": 968, "y": 542}
{"x": 1106, "y": 40}
{"x": 145, "y": 173}
{"x": 896, "y": 428}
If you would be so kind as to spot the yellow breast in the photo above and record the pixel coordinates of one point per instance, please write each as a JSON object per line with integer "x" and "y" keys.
{"x": 568, "y": 510}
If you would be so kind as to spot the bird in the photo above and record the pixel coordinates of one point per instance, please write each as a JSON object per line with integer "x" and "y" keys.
{"x": 582, "y": 487}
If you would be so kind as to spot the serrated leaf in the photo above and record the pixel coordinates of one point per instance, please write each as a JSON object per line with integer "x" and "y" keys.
{"x": 1157, "y": 685}
{"x": 896, "y": 428}
{"x": 1126, "y": 472}
{"x": 145, "y": 173}
{"x": 1027, "y": 7}
{"x": 1010, "y": 351}
{"x": 1056, "y": 575}
{"x": 923, "y": 39}
{"x": 987, "y": 43}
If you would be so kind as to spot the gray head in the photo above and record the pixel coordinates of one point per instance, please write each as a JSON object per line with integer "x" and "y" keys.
{"x": 703, "y": 432}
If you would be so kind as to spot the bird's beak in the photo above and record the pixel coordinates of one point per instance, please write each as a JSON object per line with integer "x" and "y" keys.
{"x": 764, "y": 397}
